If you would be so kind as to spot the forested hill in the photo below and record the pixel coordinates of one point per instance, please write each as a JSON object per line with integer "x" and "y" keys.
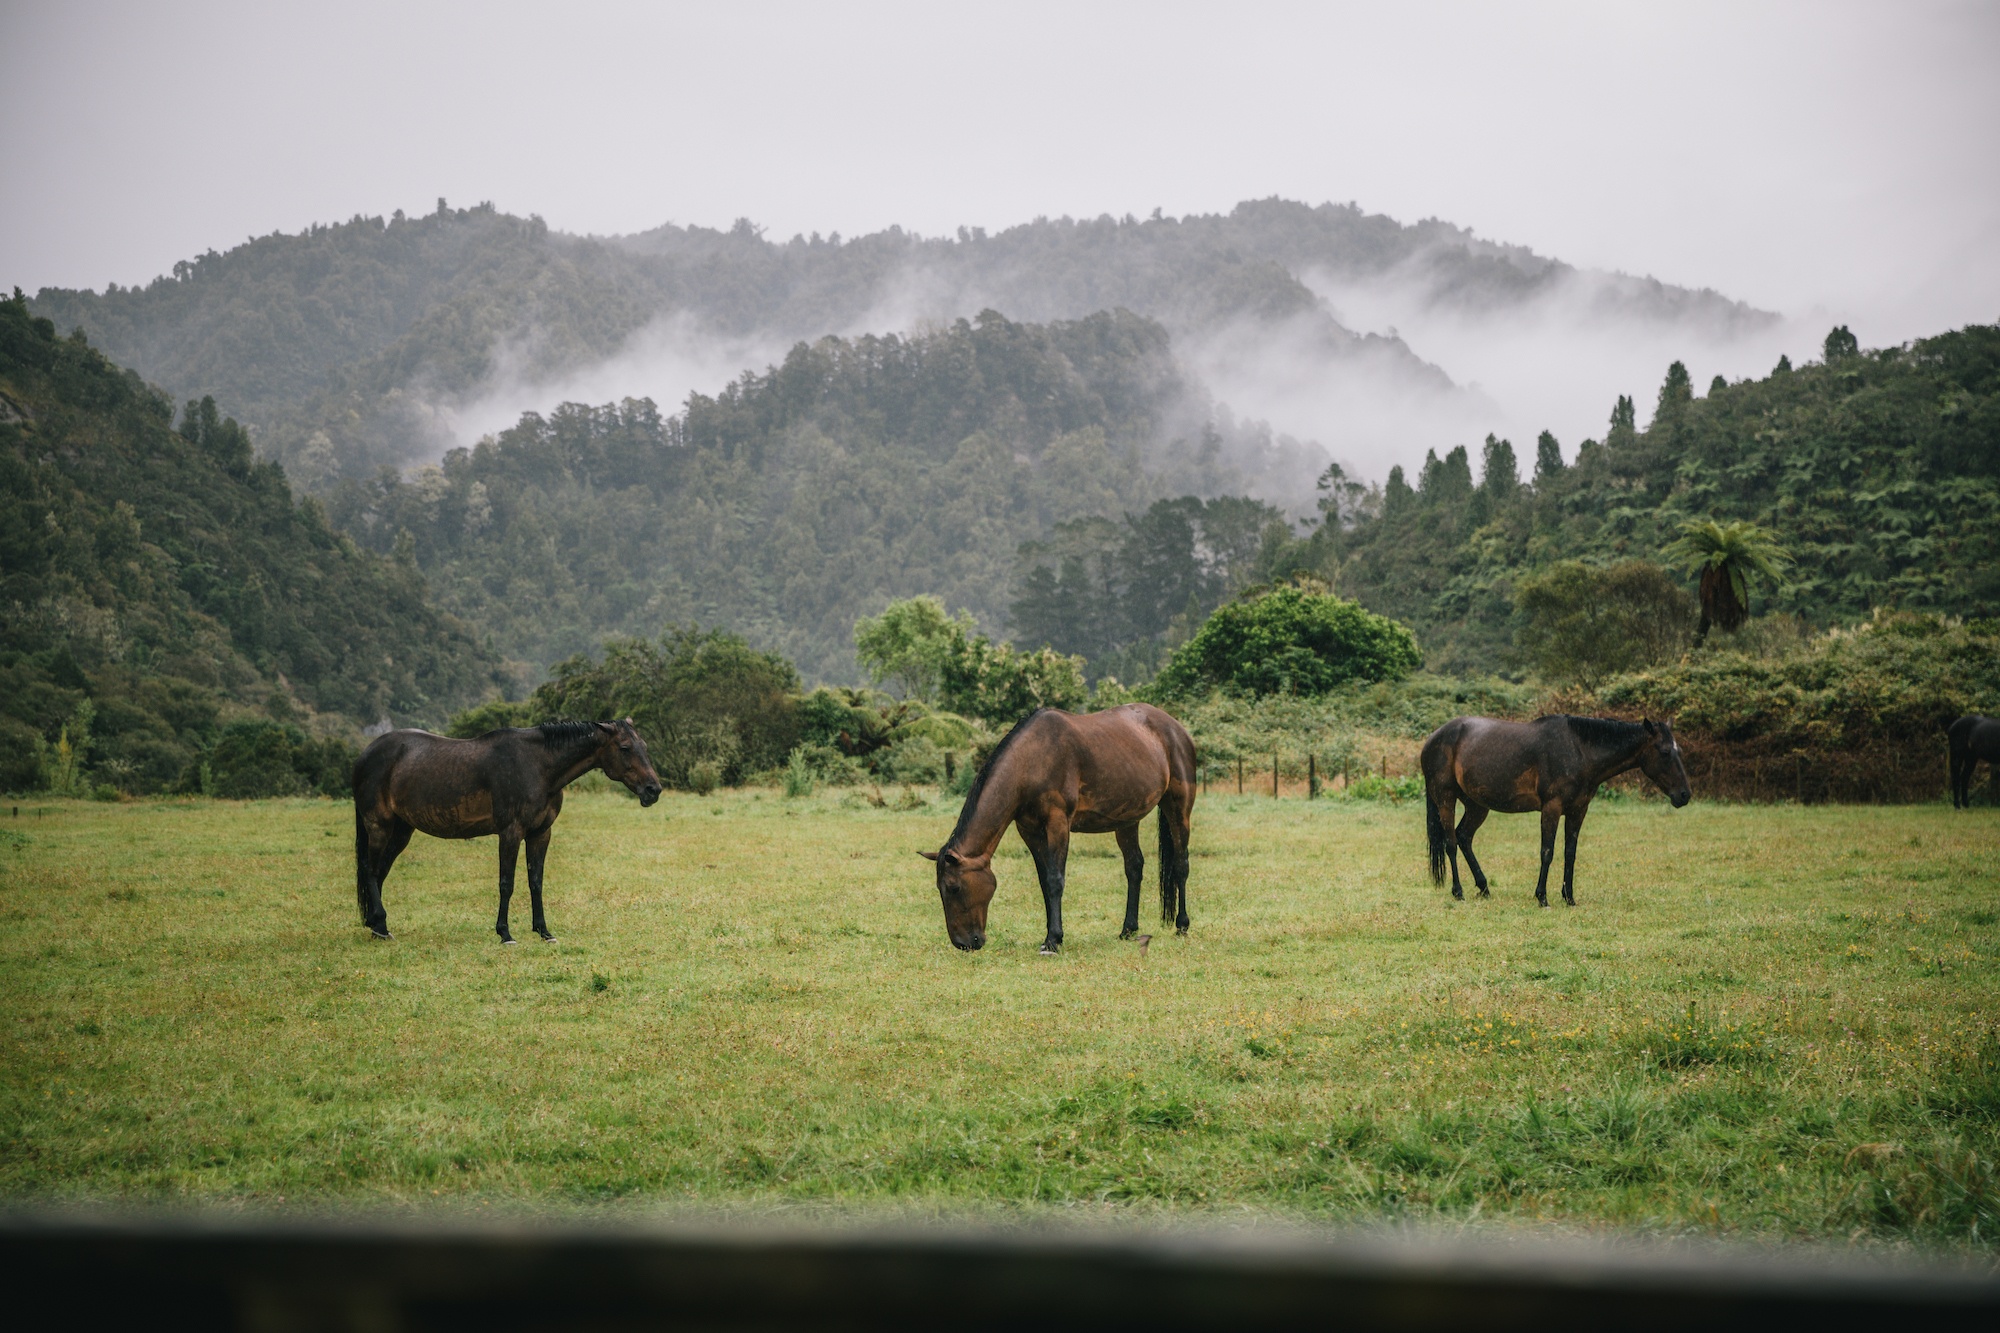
{"x": 800, "y": 499}
{"x": 168, "y": 577}
{"x": 1879, "y": 471}
{"x": 341, "y": 346}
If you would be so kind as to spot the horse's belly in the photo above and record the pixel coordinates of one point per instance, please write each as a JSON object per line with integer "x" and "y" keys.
{"x": 469, "y": 817}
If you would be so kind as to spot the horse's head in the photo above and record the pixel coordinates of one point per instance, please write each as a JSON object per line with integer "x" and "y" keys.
{"x": 1660, "y": 760}
{"x": 625, "y": 760}
{"x": 965, "y": 886}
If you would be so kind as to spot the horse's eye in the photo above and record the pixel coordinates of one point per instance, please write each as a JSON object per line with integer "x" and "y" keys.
{"x": 626, "y": 748}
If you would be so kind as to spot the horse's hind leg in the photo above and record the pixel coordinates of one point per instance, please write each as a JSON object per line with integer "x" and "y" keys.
{"x": 538, "y": 848}
{"x": 1446, "y": 807}
{"x": 510, "y": 852}
{"x": 1176, "y": 829}
{"x": 385, "y": 842}
{"x": 1475, "y": 815}
{"x": 1135, "y": 875}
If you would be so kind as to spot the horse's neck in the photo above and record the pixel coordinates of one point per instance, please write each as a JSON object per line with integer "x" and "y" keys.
{"x": 981, "y": 828}
{"x": 1604, "y": 762}
{"x": 568, "y": 763}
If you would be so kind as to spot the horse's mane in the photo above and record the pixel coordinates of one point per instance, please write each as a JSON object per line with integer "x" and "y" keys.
{"x": 972, "y": 793}
{"x": 1602, "y": 730}
{"x": 553, "y": 734}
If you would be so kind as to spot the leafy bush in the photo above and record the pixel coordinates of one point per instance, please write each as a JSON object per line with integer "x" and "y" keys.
{"x": 697, "y": 696}
{"x": 1585, "y": 622}
{"x": 1849, "y": 715}
{"x": 934, "y": 658}
{"x": 1289, "y": 640}
{"x": 21, "y": 748}
{"x": 492, "y": 716}
{"x": 799, "y": 776}
{"x": 254, "y": 759}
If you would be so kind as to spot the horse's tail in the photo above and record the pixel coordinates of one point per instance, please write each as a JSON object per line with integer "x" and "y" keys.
{"x": 1435, "y": 827}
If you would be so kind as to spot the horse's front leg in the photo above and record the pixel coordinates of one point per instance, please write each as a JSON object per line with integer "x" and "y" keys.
{"x": 510, "y": 852}
{"x": 1572, "y": 825}
{"x": 538, "y": 848}
{"x": 1551, "y": 816}
{"x": 1135, "y": 875}
{"x": 1051, "y": 864}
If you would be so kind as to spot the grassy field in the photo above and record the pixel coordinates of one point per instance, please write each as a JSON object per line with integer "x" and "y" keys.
{"x": 1762, "y": 1021}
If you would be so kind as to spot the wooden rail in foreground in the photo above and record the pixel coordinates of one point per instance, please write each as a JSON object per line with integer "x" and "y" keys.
{"x": 156, "y": 1272}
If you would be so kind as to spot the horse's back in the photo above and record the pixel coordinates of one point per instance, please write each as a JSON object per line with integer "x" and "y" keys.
{"x": 428, "y": 780}
{"x": 1499, "y": 764}
{"x": 1978, "y": 735}
{"x": 1115, "y": 765}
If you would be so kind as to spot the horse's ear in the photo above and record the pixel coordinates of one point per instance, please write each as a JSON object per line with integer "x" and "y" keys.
{"x": 611, "y": 727}
{"x": 1651, "y": 730}
{"x": 928, "y": 856}
{"x": 628, "y": 721}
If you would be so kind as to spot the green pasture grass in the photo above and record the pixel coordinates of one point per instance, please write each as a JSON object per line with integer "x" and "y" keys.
{"x": 1766, "y": 1021}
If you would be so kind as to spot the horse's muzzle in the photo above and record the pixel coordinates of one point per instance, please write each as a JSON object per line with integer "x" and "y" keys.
{"x": 970, "y": 944}
{"x": 649, "y": 793}
{"x": 1680, "y": 798}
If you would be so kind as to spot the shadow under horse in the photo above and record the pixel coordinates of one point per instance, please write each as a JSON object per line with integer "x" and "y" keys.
{"x": 1060, "y": 773}
{"x": 508, "y": 782}
{"x": 1552, "y": 765}
{"x": 1971, "y": 739}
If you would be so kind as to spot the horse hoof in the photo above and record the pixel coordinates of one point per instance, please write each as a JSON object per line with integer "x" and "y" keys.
{"x": 509, "y": 940}
{"x": 1049, "y": 951}
{"x": 380, "y": 934}
{"x": 548, "y": 939}
{"x": 1485, "y": 893}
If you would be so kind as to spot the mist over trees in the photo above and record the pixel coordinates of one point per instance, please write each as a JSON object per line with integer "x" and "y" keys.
{"x": 352, "y": 345}
{"x": 1879, "y": 473}
{"x": 798, "y": 500}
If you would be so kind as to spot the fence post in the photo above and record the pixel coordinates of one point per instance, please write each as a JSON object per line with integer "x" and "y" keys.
{"x": 1312, "y": 777}
{"x": 1239, "y": 775}
{"x": 1385, "y": 766}
{"x": 1274, "y": 775}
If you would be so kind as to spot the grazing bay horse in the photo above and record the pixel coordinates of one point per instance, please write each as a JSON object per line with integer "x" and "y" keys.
{"x": 508, "y": 782}
{"x": 1060, "y": 773}
{"x": 1553, "y": 764}
{"x": 1971, "y": 739}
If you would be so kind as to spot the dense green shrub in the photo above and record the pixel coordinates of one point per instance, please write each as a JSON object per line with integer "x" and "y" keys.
{"x": 1289, "y": 640}
{"x": 1854, "y": 714}
{"x": 1584, "y": 622}
{"x": 493, "y": 715}
{"x": 935, "y": 658}
{"x": 253, "y": 759}
{"x": 698, "y": 697}
{"x": 21, "y": 749}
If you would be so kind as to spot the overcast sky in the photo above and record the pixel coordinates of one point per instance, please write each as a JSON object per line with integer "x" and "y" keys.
{"x": 1816, "y": 159}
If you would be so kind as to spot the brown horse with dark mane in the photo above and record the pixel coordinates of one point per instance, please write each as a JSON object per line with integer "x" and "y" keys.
{"x": 1971, "y": 739}
{"x": 508, "y": 782}
{"x": 1552, "y": 765}
{"x": 1060, "y": 773}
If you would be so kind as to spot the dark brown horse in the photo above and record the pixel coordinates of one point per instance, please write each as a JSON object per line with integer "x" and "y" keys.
{"x": 1971, "y": 739}
{"x": 1060, "y": 773}
{"x": 508, "y": 782}
{"x": 1553, "y": 764}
